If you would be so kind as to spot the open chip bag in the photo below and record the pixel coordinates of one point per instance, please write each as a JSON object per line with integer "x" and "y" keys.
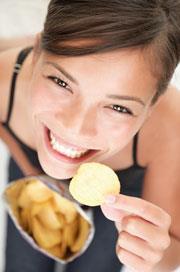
{"x": 51, "y": 222}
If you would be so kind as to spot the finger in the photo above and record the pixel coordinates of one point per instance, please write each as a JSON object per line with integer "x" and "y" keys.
{"x": 118, "y": 226}
{"x": 139, "y": 247}
{"x": 140, "y": 207}
{"x": 136, "y": 226}
{"x": 113, "y": 214}
{"x": 132, "y": 261}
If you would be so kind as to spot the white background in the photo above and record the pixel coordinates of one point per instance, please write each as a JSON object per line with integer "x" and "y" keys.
{"x": 25, "y": 17}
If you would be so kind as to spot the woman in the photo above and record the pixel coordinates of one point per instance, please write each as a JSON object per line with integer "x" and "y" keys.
{"x": 95, "y": 87}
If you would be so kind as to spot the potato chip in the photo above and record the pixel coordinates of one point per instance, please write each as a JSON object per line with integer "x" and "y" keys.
{"x": 24, "y": 214}
{"x": 37, "y": 207}
{"x": 61, "y": 219}
{"x": 26, "y": 220}
{"x": 24, "y": 200}
{"x": 37, "y": 191}
{"x": 64, "y": 206}
{"x": 70, "y": 232}
{"x": 56, "y": 250}
{"x": 82, "y": 235}
{"x": 48, "y": 217}
{"x": 93, "y": 182}
{"x": 63, "y": 249}
{"x": 46, "y": 238}
{"x": 14, "y": 192}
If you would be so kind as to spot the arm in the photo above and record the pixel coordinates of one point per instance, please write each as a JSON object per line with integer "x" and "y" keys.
{"x": 149, "y": 232}
{"x": 162, "y": 187}
{"x": 162, "y": 180}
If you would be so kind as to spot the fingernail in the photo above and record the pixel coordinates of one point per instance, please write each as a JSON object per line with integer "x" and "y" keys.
{"x": 110, "y": 199}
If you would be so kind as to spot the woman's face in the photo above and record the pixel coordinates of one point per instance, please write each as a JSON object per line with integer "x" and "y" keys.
{"x": 87, "y": 108}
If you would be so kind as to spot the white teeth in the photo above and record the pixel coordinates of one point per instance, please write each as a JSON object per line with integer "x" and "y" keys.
{"x": 69, "y": 152}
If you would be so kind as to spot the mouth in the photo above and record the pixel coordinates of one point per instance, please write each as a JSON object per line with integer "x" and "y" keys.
{"x": 64, "y": 151}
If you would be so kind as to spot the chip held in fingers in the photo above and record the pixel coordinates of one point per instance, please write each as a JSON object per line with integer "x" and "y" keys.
{"x": 93, "y": 182}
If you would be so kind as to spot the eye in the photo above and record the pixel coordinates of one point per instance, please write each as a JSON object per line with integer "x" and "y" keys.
{"x": 60, "y": 82}
{"x": 121, "y": 109}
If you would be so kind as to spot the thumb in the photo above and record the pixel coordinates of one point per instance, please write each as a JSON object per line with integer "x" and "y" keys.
{"x": 112, "y": 213}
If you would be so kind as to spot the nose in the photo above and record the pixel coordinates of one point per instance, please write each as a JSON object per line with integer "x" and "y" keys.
{"x": 79, "y": 120}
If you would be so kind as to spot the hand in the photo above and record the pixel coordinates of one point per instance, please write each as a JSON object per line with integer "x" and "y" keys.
{"x": 143, "y": 231}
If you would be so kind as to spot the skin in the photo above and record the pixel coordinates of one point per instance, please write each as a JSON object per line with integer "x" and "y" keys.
{"x": 7, "y": 43}
{"x": 81, "y": 114}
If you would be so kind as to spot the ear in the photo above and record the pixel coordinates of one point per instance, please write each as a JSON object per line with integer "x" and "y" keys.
{"x": 36, "y": 48}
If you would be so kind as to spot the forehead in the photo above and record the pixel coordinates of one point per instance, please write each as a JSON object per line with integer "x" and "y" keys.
{"x": 121, "y": 69}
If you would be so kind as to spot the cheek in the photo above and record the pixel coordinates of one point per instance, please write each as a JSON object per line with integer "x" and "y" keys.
{"x": 122, "y": 133}
{"x": 42, "y": 99}
{"x": 119, "y": 135}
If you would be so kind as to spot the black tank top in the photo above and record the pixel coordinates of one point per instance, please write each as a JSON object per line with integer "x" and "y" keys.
{"x": 100, "y": 256}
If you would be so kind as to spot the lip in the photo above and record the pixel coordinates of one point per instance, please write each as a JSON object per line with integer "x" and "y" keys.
{"x": 63, "y": 157}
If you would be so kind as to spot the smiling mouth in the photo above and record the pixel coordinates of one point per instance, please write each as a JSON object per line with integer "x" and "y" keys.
{"x": 63, "y": 150}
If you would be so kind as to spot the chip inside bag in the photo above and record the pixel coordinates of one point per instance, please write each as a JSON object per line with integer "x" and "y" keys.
{"x": 52, "y": 223}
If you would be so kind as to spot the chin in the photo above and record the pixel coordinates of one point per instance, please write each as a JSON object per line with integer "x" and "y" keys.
{"x": 57, "y": 171}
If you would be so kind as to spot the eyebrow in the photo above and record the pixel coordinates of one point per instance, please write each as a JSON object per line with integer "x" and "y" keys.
{"x": 113, "y": 96}
{"x": 61, "y": 69}
{"x": 127, "y": 98}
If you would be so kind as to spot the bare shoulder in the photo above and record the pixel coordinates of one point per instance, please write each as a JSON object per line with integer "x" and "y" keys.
{"x": 7, "y": 61}
{"x": 162, "y": 129}
{"x": 159, "y": 147}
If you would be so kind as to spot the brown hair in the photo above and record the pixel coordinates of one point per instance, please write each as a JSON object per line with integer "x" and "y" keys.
{"x": 106, "y": 25}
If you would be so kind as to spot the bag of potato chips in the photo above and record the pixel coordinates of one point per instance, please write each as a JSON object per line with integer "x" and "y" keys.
{"x": 52, "y": 223}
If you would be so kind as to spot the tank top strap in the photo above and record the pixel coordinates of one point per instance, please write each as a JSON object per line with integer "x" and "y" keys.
{"x": 135, "y": 143}
{"x": 17, "y": 67}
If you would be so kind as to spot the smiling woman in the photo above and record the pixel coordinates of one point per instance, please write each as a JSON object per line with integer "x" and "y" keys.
{"x": 95, "y": 87}
{"x": 92, "y": 113}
